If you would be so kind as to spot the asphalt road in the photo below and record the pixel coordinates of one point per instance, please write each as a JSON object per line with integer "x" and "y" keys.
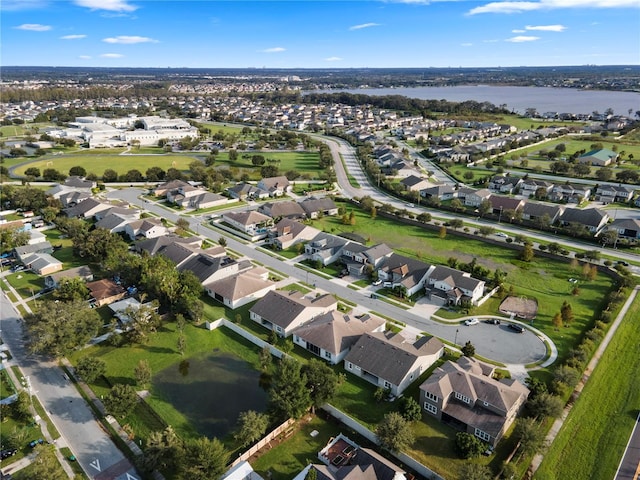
{"x": 496, "y": 342}
{"x": 629, "y": 468}
{"x": 73, "y": 418}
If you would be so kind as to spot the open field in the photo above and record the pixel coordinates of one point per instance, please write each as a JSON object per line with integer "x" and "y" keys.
{"x": 543, "y": 279}
{"x": 98, "y": 163}
{"x": 594, "y": 435}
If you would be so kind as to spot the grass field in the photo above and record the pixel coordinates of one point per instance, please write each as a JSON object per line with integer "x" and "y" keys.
{"x": 594, "y": 435}
{"x": 543, "y": 279}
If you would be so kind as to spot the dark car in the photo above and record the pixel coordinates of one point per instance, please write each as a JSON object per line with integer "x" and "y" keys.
{"x": 492, "y": 321}
{"x": 516, "y": 328}
{"x": 34, "y": 443}
{"x": 9, "y": 452}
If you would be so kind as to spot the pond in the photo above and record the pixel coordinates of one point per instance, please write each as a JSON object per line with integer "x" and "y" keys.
{"x": 211, "y": 390}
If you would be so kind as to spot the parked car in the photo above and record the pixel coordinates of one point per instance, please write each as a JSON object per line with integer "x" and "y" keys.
{"x": 516, "y": 328}
{"x": 471, "y": 321}
{"x": 501, "y": 234}
{"x": 34, "y": 443}
{"x": 492, "y": 321}
{"x": 376, "y": 283}
{"x": 8, "y": 452}
{"x": 623, "y": 263}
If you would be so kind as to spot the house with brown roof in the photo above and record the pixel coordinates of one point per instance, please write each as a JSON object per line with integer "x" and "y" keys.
{"x": 284, "y": 311}
{"x": 400, "y": 271}
{"x": 330, "y": 336}
{"x": 466, "y": 395}
{"x": 105, "y": 291}
{"x": 501, "y": 204}
{"x": 413, "y": 183}
{"x": 474, "y": 198}
{"x": 163, "y": 189}
{"x": 391, "y": 362}
{"x": 250, "y": 222}
{"x": 288, "y": 209}
{"x": 241, "y": 288}
{"x": 276, "y": 186}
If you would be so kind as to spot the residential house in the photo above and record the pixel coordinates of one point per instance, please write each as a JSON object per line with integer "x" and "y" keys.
{"x": 413, "y": 183}
{"x": 157, "y": 244}
{"x": 541, "y": 213}
{"x": 343, "y": 459}
{"x": 569, "y": 193}
{"x": 358, "y": 258}
{"x": 474, "y": 198}
{"x": 287, "y": 233}
{"x": 83, "y": 272}
{"x": 284, "y": 311}
{"x": 122, "y": 309}
{"x": 276, "y": 186}
{"x": 330, "y": 336}
{"x": 389, "y": 361}
{"x": 24, "y": 251}
{"x": 72, "y": 185}
{"x": 151, "y": 227}
{"x": 246, "y": 191}
{"x": 208, "y": 269}
{"x": 466, "y": 394}
{"x": 42, "y": 263}
{"x": 241, "y": 288}
{"x": 614, "y": 193}
{"x": 194, "y": 198}
{"x": 626, "y": 228}
{"x": 288, "y": 209}
{"x": 251, "y": 222}
{"x": 241, "y": 471}
{"x": 325, "y": 248}
{"x": 35, "y": 237}
{"x": 593, "y": 219}
{"x": 504, "y": 184}
{"x": 315, "y": 207}
{"x": 456, "y": 285}
{"x": 503, "y": 206}
{"x": 166, "y": 187}
{"x": 105, "y": 291}
{"x": 115, "y": 222}
{"x": 441, "y": 192}
{"x": 87, "y": 209}
{"x": 398, "y": 271}
{"x": 598, "y": 158}
{"x": 70, "y": 199}
{"x": 530, "y": 186}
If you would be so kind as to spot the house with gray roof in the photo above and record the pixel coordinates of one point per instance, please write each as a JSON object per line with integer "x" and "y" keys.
{"x": 400, "y": 271}
{"x": 250, "y": 222}
{"x": 314, "y": 207}
{"x": 241, "y": 288}
{"x": 456, "y": 286}
{"x": 330, "y": 336}
{"x": 287, "y": 209}
{"x": 42, "y": 263}
{"x": 24, "y": 251}
{"x": 83, "y": 272}
{"x": 209, "y": 269}
{"x": 283, "y": 311}
{"x": 115, "y": 222}
{"x": 389, "y": 361}
{"x": 530, "y": 186}
{"x": 325, "y": 248}
{"x": 441, "y": 192}
{"x": 87, "y": 208}
{"x": 287, "y": 233}
{"x": 246, "y": 191}
{"x": 146, "y": 228}
{"x": 276, "y": 186}
{"x": 413, "y": 183}
{"x": 593, "y": 219}
{"x": 358, "y": 258}
{"x": 613, "y": 193}
{"x": 69, "y": 199}
{"x": 166, "y": 187}
{"x": 157, "y": 244}
{"x": 626, "y": 228}
{"x": 539, "y": 212}
{"x": 466, "y": 395}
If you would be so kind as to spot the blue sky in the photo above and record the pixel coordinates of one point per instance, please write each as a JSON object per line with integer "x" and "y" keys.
{"x": 319, "y": 34}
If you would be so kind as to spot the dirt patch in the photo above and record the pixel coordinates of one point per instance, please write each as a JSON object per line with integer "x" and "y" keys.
{"x": 521, "y": 307}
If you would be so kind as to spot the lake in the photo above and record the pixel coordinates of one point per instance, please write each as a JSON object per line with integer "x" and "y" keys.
{"x": 211, "y": 390}
{"x": 518, "y": 99}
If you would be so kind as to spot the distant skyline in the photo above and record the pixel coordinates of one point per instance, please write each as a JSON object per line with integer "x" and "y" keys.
{"x": 319, "y": 34}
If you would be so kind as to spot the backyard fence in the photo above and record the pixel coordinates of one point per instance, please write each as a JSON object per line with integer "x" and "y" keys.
{"x": 244, "y": 334}
{"x": 265, "y": 440}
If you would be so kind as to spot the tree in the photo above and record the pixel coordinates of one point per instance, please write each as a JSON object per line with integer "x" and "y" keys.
{"x": 469, "y": 446}
{"x": 565, "y": 376}
{"x": 266, "y": 359}
{"x": 322, "y": 382}
{"x": 442, "y": 232}
{"x": 71, "y": 289}
{"x": 182, "y": 343}
{"x": 288, "y": 394}
{"x": 394, "y": 432}
{"x": 456, "y": 223}
{"x": 475, "y": 471}
{"x": 77, "y": 171}
{"x": 410, "y": 409}
{"x": 603, "y": 174}
{"x": 485, "y": 207}
{"x": 545, "y": 405}
{"x": 202, "y": 459}
{"x": 527, "y": 254}
{"x": 182, "y": 224}
{"x": 161, "y": 451}
{"x": 58, "y": 328}
{"x": 486, "y": 230}
{"x": 90, "y": 368}
{"x": 143, "y": 321}
{"x": 529, "y": 434}
{"x": 21, "y": 408}
{"x": 32, "y": 172}
{"x": 120, "y": 400}
{"x": 110, "y": 176}
{"x": 468, "y": 350}
{"x": 142, "y": 372}
{"x": 567, "y": 313}
{"x": 557, "y": 320}
{"x": 44, "y": 465}
{"x": 251, "y": 427}
{"x": 155, "y": 174}
{"x": 222, "y": 242}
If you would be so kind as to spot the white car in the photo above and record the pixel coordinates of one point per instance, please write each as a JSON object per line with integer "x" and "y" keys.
{"x": 377, "y": 282}
{"x": 501, "y": 234}
{"x": 471, "y": 321}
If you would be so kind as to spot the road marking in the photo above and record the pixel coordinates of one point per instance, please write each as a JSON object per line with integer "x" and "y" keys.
{"x": 96, "y": 464}
{"x": 131, "y": 477}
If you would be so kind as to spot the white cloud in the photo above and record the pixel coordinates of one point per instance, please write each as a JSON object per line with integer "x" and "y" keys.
{"x": 34, "y": 27}
{"x": 72, "y": 37}
{"x": 112, "y": 55}
{"x": 111, "y": 5}
{"x": 332, "y": 59}
{"x": 546, "y": 28}
{"x": 13, "y": 5}
{"x": 528, "y": 6}
{"x": 518, "y": 31}
{"x": 273, "y": 50}
{"x": 85, "y": 57}
{"x": 521, "y": 39}
{"x": 466, "y": 44}
{"x": 129, "y": 39}
{"x": 364, "y": 25}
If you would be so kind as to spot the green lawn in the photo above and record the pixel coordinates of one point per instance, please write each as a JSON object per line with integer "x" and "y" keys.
{"x": 6, "y": 385}
{"x": 303, "y": 162}
{"x": 98, "y": 161}
{"x": 594, "y": 435}
{"x": 25, "y": 283}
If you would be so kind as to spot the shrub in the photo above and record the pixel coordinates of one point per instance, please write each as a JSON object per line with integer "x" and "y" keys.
{"x": 469, "y": 446}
